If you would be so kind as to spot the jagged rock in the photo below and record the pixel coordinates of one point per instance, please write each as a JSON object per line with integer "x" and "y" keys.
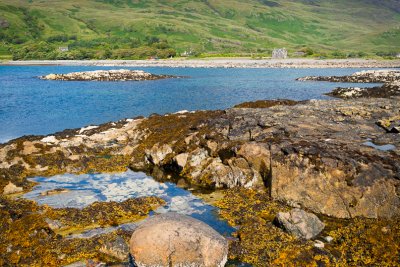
{"x": 158, "y": 153}
{"x": 300, "y": 223}
{"x": 106, "y": 75}
{"x": 11, "y": 188}
{"x": 172, "y": 239}
{"x": 181, "y": 159}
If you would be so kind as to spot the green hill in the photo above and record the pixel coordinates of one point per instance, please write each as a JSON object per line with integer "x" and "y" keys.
{"x": 141, "y": 28}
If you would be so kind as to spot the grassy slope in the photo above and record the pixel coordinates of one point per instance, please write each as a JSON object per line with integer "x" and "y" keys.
{"x": 214, "y": 25}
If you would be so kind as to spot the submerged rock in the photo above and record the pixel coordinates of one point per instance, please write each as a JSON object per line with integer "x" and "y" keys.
{"x": 300, "y": 223}
{"x": 107, "y": 75}
{"x": 177, "y": 240}
{"x": 117, "y": 248}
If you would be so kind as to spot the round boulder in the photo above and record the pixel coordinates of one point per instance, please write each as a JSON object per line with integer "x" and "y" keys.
{"x": 173, "y": 239}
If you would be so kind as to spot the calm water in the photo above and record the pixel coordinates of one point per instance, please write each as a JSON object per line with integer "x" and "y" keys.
{"x": 88, "y": 188}
{"x": 32, "y": 106}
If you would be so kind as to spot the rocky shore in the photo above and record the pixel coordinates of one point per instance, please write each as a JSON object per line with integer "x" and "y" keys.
{"x": 389, "y": 78}
{"x": 268, "y": 157}
{"x": 220, "y": 63}
{"x": 106, "y": 75}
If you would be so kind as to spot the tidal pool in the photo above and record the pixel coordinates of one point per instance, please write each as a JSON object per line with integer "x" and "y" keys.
{"x": 87, "y": 188}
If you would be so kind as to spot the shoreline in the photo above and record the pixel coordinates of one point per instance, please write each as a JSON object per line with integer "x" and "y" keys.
{"x": 217, "y": 63}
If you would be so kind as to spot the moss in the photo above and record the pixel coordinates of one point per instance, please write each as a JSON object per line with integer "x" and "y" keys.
{"x": 356, "y": 242}
{"x": 103, "y": 213}
{"x": 172, "y": 130}
{"x": 27, "y": 240}
{"x": 267, "y": 103}
{"x": 367, "y": 242}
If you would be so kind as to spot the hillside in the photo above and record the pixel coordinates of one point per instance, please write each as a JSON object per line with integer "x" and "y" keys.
{"x": 138, "y": 28}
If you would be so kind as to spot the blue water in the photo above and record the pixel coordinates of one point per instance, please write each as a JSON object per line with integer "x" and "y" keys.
{"x": 29, "y": 105}
{"x": 87, "y": 188}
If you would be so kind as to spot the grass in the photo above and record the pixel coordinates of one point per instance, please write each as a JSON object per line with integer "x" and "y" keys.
{"x": 211, "y": 26}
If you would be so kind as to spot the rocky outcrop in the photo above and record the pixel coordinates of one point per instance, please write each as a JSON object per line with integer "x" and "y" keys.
{"x": 389, "y": 78}
{"x": 312, "y": 154}
{"x": 300, "y": 223}
{"x": 107, "y": 75}
{"x": 177, "y": 240}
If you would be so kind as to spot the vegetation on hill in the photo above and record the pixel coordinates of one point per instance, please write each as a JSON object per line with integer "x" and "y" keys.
{"x": 35, "y": 29}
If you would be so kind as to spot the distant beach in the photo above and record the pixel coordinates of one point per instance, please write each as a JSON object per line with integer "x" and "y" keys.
{"x": 218, "y": 63}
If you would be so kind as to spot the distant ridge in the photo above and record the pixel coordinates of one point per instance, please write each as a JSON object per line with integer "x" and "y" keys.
{"x": 203, "y": 26}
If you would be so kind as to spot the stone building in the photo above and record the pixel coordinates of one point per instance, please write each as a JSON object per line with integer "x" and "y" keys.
{"x": 280, "y": 53}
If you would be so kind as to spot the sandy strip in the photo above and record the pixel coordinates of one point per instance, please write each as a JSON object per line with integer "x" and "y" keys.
{"x": 218, "y": 63}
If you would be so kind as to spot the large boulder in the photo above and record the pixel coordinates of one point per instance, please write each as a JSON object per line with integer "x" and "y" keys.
{"x": 172, "y": 239}
{"x": 300, "y": 223}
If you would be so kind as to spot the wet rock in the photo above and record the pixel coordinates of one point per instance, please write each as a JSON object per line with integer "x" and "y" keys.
{"x": 300, "y": 223}
{"x": 54, "y": 192}
{"x": 106, "y": 75}
{"x": 177, "y": 240}
{"x": 11, "y": 188}
{"x": 117, "y": 248}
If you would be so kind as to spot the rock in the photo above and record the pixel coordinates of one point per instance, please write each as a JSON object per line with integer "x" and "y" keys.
{"x": 328, "y": 239}
{"x": 300, "y": 223}
{"x": 319, "y": 244}
{"x": 172, "y": 239}
{"x": 106, "y": 75}
{"x": 117, "y": 248}
{"x": 54, "y": 224}
{"x": 390, "y": 78}
{"x": 181, "y": 159}
{"x": 157, "y": 154}
{"x": 11, "y": 188}
{"x": 54, "y": 192}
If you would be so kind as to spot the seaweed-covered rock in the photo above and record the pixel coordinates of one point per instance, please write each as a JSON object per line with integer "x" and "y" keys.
{"x": 389, "y": 78}
{"x": 106, "y": 75}
{"x": 177, "y": 240}
{"x": 300, "y": 223}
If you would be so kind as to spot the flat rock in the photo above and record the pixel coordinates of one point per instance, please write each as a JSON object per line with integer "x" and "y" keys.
{"x": 106, "y": 75}
{"x": 300, "y": 223}
{"x": 172, "y": 239}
